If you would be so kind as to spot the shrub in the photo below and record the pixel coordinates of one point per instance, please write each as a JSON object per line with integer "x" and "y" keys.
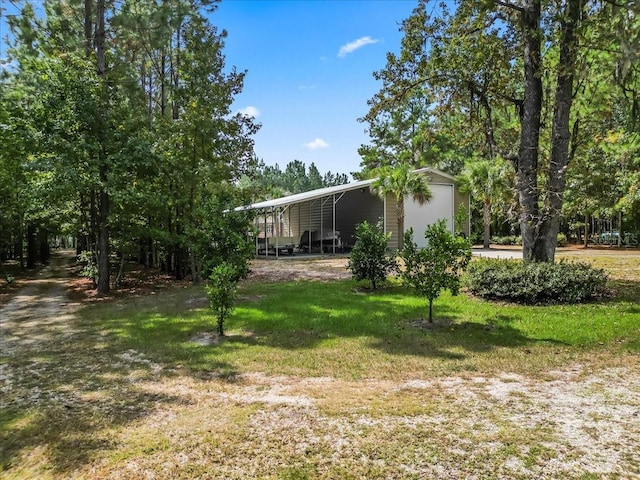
{"x": 534, "y": 283}
{"x": 221, "y": 292}
{"x": 508, "y": 240}
{"x": 89, "y": 266}
{"x": 562, "y": 240}
{"x": 436, "y": 267}
{"x": 369, "y": 259}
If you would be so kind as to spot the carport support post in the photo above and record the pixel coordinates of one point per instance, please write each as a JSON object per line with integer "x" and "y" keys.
{"x": 310, "y": 226}
{"x": 266, "y": 236}
{"x": 334, "y": 219}
{"x": 258, "y": 235}
{"x": 321, "y": 226}
{"x": 276, "y": 227}
{"x": 384, "y": 214}
{"x": 334, "y": 224}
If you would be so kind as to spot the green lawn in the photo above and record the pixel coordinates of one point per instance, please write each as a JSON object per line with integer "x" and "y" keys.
{"x": 318, "y": 380}
{"x": 328, "y": 329}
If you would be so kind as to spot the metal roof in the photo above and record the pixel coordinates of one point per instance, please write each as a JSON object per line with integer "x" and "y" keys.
{"x": 324, "y": 192}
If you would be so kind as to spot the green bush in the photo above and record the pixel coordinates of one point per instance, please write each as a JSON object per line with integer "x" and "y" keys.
{"x": 369, "y": 259}
{"x": 221, "y": 292}
{"x": 436, "y": 267}
{"x": 89, "y": 266}
{"x": 535, "y": 283}
{"x": 508, "y": 240}
{"x": 562, "y": 240}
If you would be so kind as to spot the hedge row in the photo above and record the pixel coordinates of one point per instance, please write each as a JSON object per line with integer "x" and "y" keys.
{"x": 517, "y": 240}
{"x": 535, "y": 283}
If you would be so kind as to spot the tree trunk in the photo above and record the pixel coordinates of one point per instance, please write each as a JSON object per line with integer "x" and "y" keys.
{"x": 195, "y": 274}
{"x": 431, "y": 310}
{"x": 560, "y": 132}
{"x": 88, "y": 28}
{"x": 43, "y": 240}
{"x": 620, "y": 232}
{"x": 486, "y": 222}
{"x": 527, "y": 163}
{"x": 120, "y": 270}
{"x": 31, "y": 246}
{"x": 21, "y": 242}
{"x": 103, "y": 197}
{"x": 104, "y": 267}
{"x": 586, "y": 230}
{"x": 400, "y": 214}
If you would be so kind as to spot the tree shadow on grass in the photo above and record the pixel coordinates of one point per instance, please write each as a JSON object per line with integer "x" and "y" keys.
{"x": 64, "y": 401}
{"x": 303, "y": 315}
{"x": 291, "y": 319}
{"x": 71, "y": 430}
{"x": 450, "y": 338}
{"x": 626, "y": 290}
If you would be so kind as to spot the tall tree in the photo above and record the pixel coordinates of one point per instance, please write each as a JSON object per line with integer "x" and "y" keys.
{"x": 483, "y": 58}
{"x": 401, "y": 181}
{"x": 130, "y": 105}
{"x": 486, "y": 181}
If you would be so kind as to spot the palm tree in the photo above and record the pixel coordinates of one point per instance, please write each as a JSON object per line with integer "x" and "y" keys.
{"x": 487, "y": 181}
{"x": 402, "y": 181}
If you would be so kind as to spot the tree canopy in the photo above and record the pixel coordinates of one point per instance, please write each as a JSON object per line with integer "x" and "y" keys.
{"x": 537, "y": 83}
{"x": 119, "y": 131}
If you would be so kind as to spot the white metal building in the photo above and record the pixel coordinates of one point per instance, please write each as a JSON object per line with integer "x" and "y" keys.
{"x": 325, "y": 220}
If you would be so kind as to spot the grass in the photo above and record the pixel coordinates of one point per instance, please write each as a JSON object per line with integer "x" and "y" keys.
{"x": 318, "y": 380}
{"x": 325, "y": 329}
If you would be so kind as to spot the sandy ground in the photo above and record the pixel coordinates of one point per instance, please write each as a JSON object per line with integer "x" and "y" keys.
{"x": 590, "y": 416}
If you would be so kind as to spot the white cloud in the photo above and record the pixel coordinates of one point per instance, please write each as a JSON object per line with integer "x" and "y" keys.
{"x": 250, "y": 111}
{"x": 306, "y": 87}
{"x": 317, "y": 143}
{"x": 356, "y": 44}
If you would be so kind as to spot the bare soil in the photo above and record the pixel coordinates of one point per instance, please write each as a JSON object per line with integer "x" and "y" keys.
{"x": 300, "y": 268}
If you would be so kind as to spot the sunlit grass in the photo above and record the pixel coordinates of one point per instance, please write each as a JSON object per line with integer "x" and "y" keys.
{"x": 331, "y": 329}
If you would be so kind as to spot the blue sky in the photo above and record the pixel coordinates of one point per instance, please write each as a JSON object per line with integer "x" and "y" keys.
{"x": 309, "y": 71}
{"x": 310, "y": 66}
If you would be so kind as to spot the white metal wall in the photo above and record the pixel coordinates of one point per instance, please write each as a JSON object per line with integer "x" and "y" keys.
{"x": 418, "y": 216}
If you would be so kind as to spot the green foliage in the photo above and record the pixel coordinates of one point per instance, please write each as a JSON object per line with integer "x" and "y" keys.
{"x": 460, "y": 218}
{"x": 89, "y": 265}
{"x": 489, "y": 185}
{"x": 221, "y": 292}
{"x": 562, "y": 240}
{"x": 533, "y": 283}
{"x": 459, "y": 77}
{"x": 270, "y": 181}
{"x": 140, "y": 148}
{"x": 217, "y": 236}
{"x": 438, "y": 266}
{"x": 401, "y": 181}
{"x": 517, "y": 240}
{"x": 369, "y": 259}
{"x": 507, "y": 240}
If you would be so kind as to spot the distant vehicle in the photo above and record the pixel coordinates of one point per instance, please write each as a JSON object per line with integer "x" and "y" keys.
{"x": 611, "y": 236}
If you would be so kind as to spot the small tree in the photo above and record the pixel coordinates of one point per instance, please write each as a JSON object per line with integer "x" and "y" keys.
{"x": 369, "y": 259}
{"x": 436, "y": 267}
{"x": 221, "y": 292}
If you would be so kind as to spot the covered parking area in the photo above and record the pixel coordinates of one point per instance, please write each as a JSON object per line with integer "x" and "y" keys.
{"x": 324, "y": 221}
